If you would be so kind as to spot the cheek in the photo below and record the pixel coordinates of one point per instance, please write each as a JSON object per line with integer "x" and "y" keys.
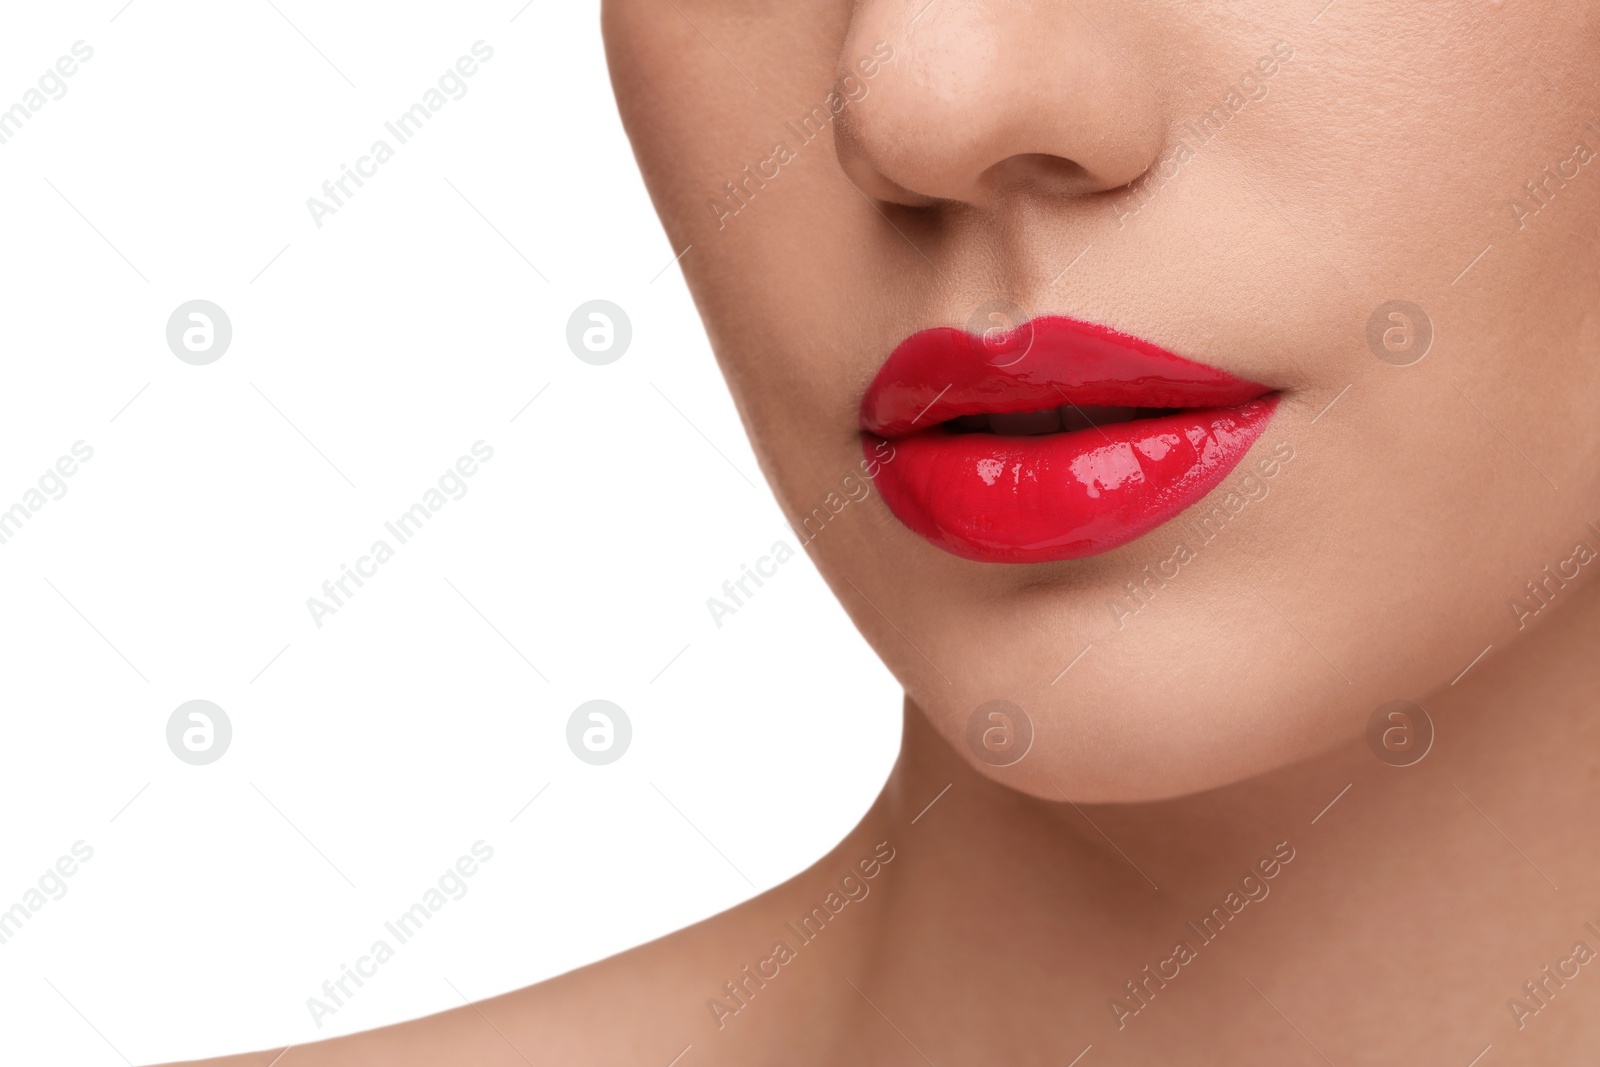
{"x": 1372, "y": 570}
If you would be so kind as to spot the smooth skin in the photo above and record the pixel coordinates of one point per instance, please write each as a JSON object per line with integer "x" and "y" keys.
{"x": 1401, "y": 151}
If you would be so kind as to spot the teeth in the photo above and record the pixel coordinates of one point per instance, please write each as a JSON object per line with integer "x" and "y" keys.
{"x": 1051, "y": 420}
{"x": 1080, "y": 418}
{"x": 1026, "y": 423}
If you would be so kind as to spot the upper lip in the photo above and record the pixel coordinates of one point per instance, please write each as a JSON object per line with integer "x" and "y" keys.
{"x": 943, "y": 373}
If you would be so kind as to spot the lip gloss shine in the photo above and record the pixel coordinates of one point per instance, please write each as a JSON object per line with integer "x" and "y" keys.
{"x": 1006, "y": 498}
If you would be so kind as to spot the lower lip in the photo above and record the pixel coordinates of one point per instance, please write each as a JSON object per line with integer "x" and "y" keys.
{"x": 1060, "y": 496}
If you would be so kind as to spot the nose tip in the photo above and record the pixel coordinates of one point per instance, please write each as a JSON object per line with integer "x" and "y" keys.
{"x": 981, "y": 102}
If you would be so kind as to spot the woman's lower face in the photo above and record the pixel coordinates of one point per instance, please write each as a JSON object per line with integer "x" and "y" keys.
{"x": 1253, "y": 347}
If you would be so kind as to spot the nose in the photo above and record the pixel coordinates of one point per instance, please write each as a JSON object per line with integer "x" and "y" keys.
{"x": 981, "y": 100}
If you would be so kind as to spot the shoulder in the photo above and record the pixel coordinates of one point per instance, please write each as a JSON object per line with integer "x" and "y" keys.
{"x": 692, "y": 989}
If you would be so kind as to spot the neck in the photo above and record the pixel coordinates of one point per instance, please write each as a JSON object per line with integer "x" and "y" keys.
{"x": 1286, "y": 897}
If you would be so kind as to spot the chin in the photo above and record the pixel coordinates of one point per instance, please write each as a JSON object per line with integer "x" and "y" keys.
{"x": 1036, "y": 688}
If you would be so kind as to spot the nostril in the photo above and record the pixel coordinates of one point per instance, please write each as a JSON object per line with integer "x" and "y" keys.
{"x": 986, "y": 103}
{"x": 1039, "y": 173}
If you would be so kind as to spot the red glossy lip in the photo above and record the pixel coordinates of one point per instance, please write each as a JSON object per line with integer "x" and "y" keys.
{"x": 1007, "y": 498}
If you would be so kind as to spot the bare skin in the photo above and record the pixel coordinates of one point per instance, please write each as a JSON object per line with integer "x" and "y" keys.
{"x": 1004, "y": 926}
{"x": 1052, "y": 155}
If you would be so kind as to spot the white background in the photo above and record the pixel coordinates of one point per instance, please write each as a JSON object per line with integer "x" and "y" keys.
{"x": 374, "y": 751}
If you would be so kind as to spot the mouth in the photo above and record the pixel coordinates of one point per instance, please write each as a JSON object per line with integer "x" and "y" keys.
{"x": 1052, "y": 440}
